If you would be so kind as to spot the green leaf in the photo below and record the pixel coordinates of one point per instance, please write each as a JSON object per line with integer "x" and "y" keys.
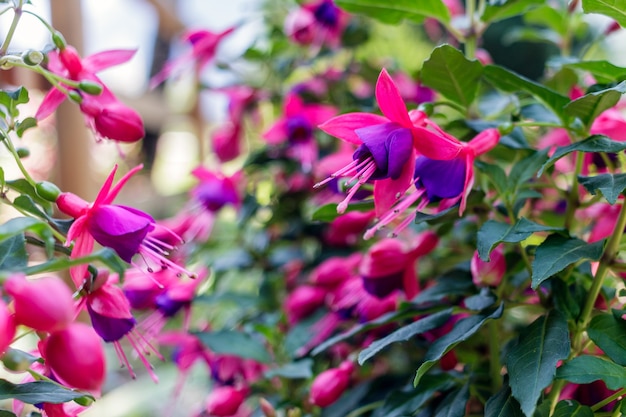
{"x": 511, "y": 82}
{"x": 461, "y": 331}
{"x": 484, "y": 299}
{"x": 550, "y": 17}
{"x": 612, "y": 8}
{"x": 397, "y": 10}
{"x": 493, "y": 232}
{"x": 13, "y": 253}
{"x": 294, "y": 370}
{"x": 1, "y": 179}
{"x": 571, "y": 408}
{"x": 525, "y": 169}
{"x": 442, "y": 215}
{"x": 235, "y": 343}
{"x": 23, "y": 125}
{"x": 503, "y": 404}
{"x": 532, "y": 361}
{"x": 610, "y": 185}
{"x": 506, "y": 9}
{"x": 603, "y": 71}
{"x": 106, "y": 256}
{"x": 591, "y": 105}
{"x": 405, "y": 333}
{"x": 4, "y": 413}
{"x": 557, "y": 252}
{"x": 407, "y": 401}
{"x": 608, "y": 332}
{"x": 328, "y": 212}
{"x": 451, "y": 74}
{"x": 454, "y": 404}
{"x": 496, "y": 175}
{"x": 454, "y": 282}
{"x": 19, "y": 225}
{"x": 594, "y": 143}
{"x": 585, "y": 369}
{"x": 38, "y": 392}
{"x": 24, "y": 187}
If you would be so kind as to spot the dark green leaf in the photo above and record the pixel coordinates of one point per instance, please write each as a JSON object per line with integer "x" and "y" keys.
{"x": 455, "y": 282}
{"x": 425, "y": 217}
{"x": 595, "y": 143}
{"x": 454, "y": 404}
{"x": 24, "y": 125}
{"x": 451, "y": 74}
{"x": 612, "y": 8}
{"x": 589, "y": 106}
{"x": 19, "y": 95}
{"x": 295, "y": 370}
{"x": 511, "y": 82}
{"x": 585, "y": 369}
{"x": 407, "y": 401}
{"x": 405, "y": 333}
{"x": 610, "y": 185}
{"x": 397, "y": 10}
{"x": 461, "y": 331}
{"x": 328, "y": 212}
{"x": 603, "y": 71}
{"x": 1, "y": 179}
{"x": 348, "y": 401}
{"x": 495, "y": 174}
{"x": 507, "y": 9}
{"x": 525, "y": 169}
{"x": 503, "y": 404}
{"x": 19, "y": 225}
{"x": 550, "y": 17}
{"x": 106, "y": 256}
{"x": 532, "y": 361}
{"x": 608, "y": 332}
{"x": 557, "y": 252}
{"x": 38, "y": 392}
{"x": 486, "y": 298}
{"x": 571, "y": 408}
{"x": 492, "y": 233}
{"x": 235, "y": 343}
{"x": 4, "y": 413}
{"x": 13, "y": 253}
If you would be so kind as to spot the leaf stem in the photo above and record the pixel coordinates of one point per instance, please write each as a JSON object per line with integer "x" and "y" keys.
{"x": 607, "y": 400}
{"x": 573, "y": 196}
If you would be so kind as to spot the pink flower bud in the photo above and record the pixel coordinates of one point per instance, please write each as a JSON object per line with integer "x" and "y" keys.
{"x": 488, "y": 273}
{"x": 76, "y": 356}
{"x": 119, "y": 122}
{"x": 224, "y": 401}
{"x": 303, "y": 301}
{"x": 43, "y": 304}
{"x": 332, "y": 272}
{"x": 328, "y": 386}
{"x": 72, "y": 205}
{"x": 7, "y": 327}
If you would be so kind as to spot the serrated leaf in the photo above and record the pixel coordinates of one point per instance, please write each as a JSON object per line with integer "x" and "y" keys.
{"x": 503, "y": 404}
{"x": 405, "y": 333}
{"x": 591, "y": 105}
{"x": 610, "y": 185}
{"x": 397, "y": 10}
{"x": 235, "y": 343}
{"x": 594, "y": 143}
{"x": 612, "y": 8}
{"x": 608, "y": 333}
{"x": 525, "y": 169}
{"x": 603, "y": 71}
{"x": 557, "y": 252}
{"x": 571, "y": 408}
{"x": 493, "y": 232}
{"x": 532, "y": 361}
{"x": 461, "y": 331}
{"x": 13, "y": 253}
{"x": 506, "y": 9}
{"x": 301, "y": 369}
{"x": 38, "y": 392}
{"x": 455, "y": 403}
{"x": 451, "y": 74}
{"x": 585, "y": 369}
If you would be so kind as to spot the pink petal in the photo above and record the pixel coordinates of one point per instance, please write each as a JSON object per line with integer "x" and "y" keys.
{"x": 106, "y": 59}
{"x": 343, "y": 126}
{"x": 49, "y": 104}
{"x": 469, "y": 181}
{"x": 110, "y": 301}
{"x": 386, "y": 191}
{"x": 484, "y": 141}
{"x": 277, "y": 133}
{"x": 82, "y": 246}
{"x": 111, "y": 195}
{"x": 293, "y": 105}
{"x": 390, "y": 101}
{"x": 319, "y": 113}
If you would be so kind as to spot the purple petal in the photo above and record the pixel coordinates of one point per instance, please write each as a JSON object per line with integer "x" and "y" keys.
{"x": 390, "y": 145}
{"x": 381, "y": 287}
{"x": 400, "y": 149}
{"x": 441, "y": 179}
{"x": 169, "y": 306}
{"x": 108, "y": 328}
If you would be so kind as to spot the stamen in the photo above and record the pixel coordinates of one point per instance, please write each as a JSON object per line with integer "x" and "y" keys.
{"x": 351, "y": 167}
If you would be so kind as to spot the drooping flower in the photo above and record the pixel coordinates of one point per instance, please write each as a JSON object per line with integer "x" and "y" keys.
{"x": 329, "y": 385}
{"x": 488, "y": 273}
{"x": 387, "y": 146}
{"x": 108, "y": 117}
{"x": 44, "y": 304}
{"x": 316, "y": 23}
{"x": 126, "y": 230}
{"x": 302, "y": 302}
{"x": 204, "y": 44}
{"x": 296, "y": 126}
{"x": 225, "y": 401}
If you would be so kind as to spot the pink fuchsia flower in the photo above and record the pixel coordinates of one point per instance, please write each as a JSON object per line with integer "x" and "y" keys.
{"x": 7, "y": 327}
{"x": 234, "y": 370}
{"x": 387, "y": 146}
{"x": 44, "y": 304}
{"x": 329, "y": 385}
{"x": 389, "y": 265}
{"x": 317, "y": 23}
{"x": 488, "y": 273}
{"x": 296, "y": 127}
{"x": 76, "y": 357}
{"x": 436, "y": 180}
{"x": 302, "y": 302}
{"x": 335, "y": 270}
{"x": 204, "y": 44}
{"x": 226, "y": 141}
{"x": 141, "y": 288}
{"x": 216, "y": 190}
{"x": 412, "y": 90}
{"x": 107, "y": 116}
{"x": 346, "y": 229}
{"x": 225, "y": 401}
{"x": 124, "y": 229}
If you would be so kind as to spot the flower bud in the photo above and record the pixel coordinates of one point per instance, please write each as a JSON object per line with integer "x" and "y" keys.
{"x": 48, "y": 191}
{"x": 328, "y": 386}
{"x": 23, "y": 152}
{"x": 118, "y": 122}
{"x": 43, "y": 304}
{"x": 71, "y": 204}
{"x": 488, "y": 273}
{"x": 224, "y": 401}
{"x": 59, "y": 40}
{"x": 76, "y": 356}
{"x": 90, "y": 87}
{"x": 7, "y": 327}
{"x": 75, "y": 96}
{"x": 302, "y": 302}
{"x": 32, "y": 57}
{"x": 17, "y": 360}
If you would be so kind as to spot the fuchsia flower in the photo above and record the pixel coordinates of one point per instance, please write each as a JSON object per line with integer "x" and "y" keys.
{"x": 302, "y": 302}
{"x": 488, "y": 273}
{"x": 204, "y": 45}
{"x": 124, "y": 229}
{"x": 225, "y": 401}
{"x": 7, "y": 327}
{"x": 387, "y": 146}
{"x": 216, "y": 190}
{"x": 329, "y": 385}
{"x": 107, "y": 116}
{"x": 346, "y": 229}
{"x": 296, "y": 128}
{"x": 317, "y": 23}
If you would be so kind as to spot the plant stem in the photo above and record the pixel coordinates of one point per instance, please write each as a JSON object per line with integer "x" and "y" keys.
{"x": 9, "y": 145}
{"x": 16, "y": 18}
{"x": 573, "y": 198}
{"x": 607, "y": 400}
{"x": 365, "y": 408}
{"x": 494, "y": 355}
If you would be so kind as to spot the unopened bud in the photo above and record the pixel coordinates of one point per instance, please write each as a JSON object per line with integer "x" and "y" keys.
{"x": 75, "y": 96}
{"x": 91, "y": 87}
{"x": 267, "y": 408}
{"x": 85, "y": 401}
{"x": 48, "y": 191}
{"x": 32, "y": 57}
{"x": 505, "y": 128}
{"x": 17, "y": 360}
{"x": 59, "y": 40}
{"x": 427, "y": 108}
{"x": 22, "y": 152}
